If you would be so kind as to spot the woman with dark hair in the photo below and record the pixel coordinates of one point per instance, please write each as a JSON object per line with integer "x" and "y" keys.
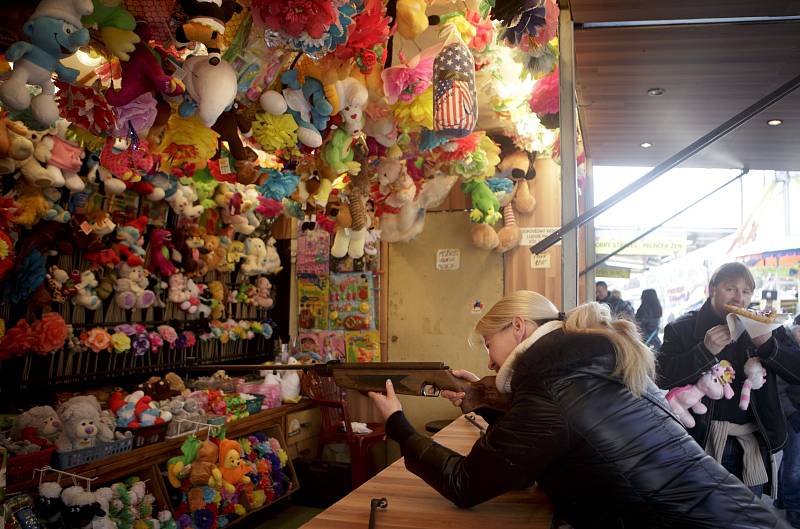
{"x": 648, "y": 318}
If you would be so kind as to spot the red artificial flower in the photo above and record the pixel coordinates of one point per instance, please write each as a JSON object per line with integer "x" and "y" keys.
{"x": 544, "y": 98}
{"x": 368, "y": 59}
{"x": 49, "y": 333}
{"x": 370, "y": 31}
{"x": 17, "y": 341}
{"x": 294, "y": 17}
{"x": 458, "y": 148}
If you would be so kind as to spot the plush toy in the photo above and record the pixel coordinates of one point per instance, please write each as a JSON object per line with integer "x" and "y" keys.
{"x": 85, "y": 295}
{"x": 214, "y": 251}
{"x": 262, "y": 298}
{"x": 714, "y": 385}
{"x": 217, "y": 291}
{"x": 410, "y": 220}
{"x": 131, "y": 288}
{"x": 183, "y": 201}
{"x": 39, "y": 425}
{"x": 231, "y": 465}
{"x": 204, "y": 469}
{"x": 95, "y": 173}
{"x": 206, "y": 22}
{"x": 179, "y": 467}
{"x": 55, "y": 32}
{"x": 175, "y": 383}
{"x": 15, "y": 144}
{"x": 80, "y": 507}
{"x": 756, "y": 378}
{"x": 348, "y": 98}
{"x": 36, "y": 169}
{"x": 211, "y": 87}
{"x": 455, "y": 102}
{"x": 485, "y": 206}
{"x": 80, "y": 421}
{"x": 49, "y": 504}
{"x": 130, "y": 240}
{"x": 306, "y": 103}
{"x": 132, "y": 164}
{"x": 411, "y": 18}
{"x": 509, "y": 235}
{"x": 116, "y": 27}
{"x": 255, "y": 257}
{"x": 394, "y": 182}
{"x": 64, "y": 155}
{"x": 163, "y": 252}
{"x": 519, "y": 166}
{"x": 229, "y": 125}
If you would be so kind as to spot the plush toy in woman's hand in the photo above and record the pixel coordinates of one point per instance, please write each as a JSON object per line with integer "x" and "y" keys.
{"x": 56, "y": 32}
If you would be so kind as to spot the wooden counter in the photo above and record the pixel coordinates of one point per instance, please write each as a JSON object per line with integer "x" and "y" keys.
{"x": 413, "y": 503}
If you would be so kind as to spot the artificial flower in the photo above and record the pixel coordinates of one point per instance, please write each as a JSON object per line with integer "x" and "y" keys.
{"x": 168, "y": 334}
{"x": 97, "y": 339}
{"x": 411, "y": 78}
{"x": 296, "y": 16}
{"x": 190, "y": 338}
{"x": 275, "y": 133}
{"x": 6, "y": 254}
{"x": 156, "y": 342}
{"x": 416, "y": 113}
{"x": 140, "y": 345}
{"x": 484, "y": 31}
{"x": 187, "y": 141}
{"x": 544, "y": 98}
{"x": 121, "y": 342}
{"x": 49, "y": 333}
{"x": 86, "y": 108}
{"x": 17, "y": 341}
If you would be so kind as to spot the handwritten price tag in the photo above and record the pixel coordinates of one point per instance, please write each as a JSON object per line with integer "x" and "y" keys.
{"x": 448, "y": 259}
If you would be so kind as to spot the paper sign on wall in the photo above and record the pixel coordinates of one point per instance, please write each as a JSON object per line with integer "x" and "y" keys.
{"x": 448, "y": 259}
{"x": 532, "y": 235}
{"x": 541, "y": 260}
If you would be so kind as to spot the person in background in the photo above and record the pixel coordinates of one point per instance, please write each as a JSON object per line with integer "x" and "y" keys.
{"x": 586, "y": 423}
{"x": 619, "y": 308}
{"x": 789, "y": 473}
{"x": 648, "y": 318}
{"x": 741, "y": 440}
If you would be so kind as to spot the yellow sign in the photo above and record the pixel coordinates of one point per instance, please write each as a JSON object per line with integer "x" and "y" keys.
{"x": 612, "y": 271}
{"x": 656, "y": 246}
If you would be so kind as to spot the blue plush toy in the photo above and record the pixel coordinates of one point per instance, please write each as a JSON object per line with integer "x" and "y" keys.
{"x": 55, "y": 32}
{"x": 308, "y": 106}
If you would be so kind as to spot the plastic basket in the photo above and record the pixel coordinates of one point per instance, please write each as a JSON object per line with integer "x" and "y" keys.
{"x": 21, "y": 467}
{"x": 147, "y": 435}
{"x": 271, "y": 393}
{"x": 64, "y": 460}
{"x": 178, "y": 427}
{"x": 254, "y": 404}
{"x": 216, "y": 420}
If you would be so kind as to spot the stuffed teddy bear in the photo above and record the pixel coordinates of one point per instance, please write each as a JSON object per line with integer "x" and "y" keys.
{"x": 131, "y": 287}
{"x": 80, "y": 419}
{"x": 715, "y": 385}
{"x": 85, "y": 295}
{"x": 394, "y": 182}
{"x": 262, "y": 298}
{"x": 55, "y": 31}
{"x": 756, "y": 378}
{"x": 39, "y": 425}
{"x": 15, "y": 145}
{"x": 518, "y": 165}
{"x": 183, "y": 201}
{"x": 204, "y": 469}
{"x": 163, "y": 252}
{"x": 231, "y": 466}
{"x": 211, "y": 86}
{"x": 229, "y": 125}
{"x": 255, "y": 257}
{"x": 217, "y": 291}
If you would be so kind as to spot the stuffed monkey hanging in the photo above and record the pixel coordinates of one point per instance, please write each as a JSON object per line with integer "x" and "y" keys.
{"x": 518, "y": 165}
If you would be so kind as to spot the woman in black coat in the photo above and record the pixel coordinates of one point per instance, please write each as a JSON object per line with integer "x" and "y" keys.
{"x": 586, "y": 422}
{"x": 648, "y": 318}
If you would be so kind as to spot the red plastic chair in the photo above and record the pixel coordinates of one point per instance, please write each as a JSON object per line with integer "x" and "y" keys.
{"x": 336, "y": 427}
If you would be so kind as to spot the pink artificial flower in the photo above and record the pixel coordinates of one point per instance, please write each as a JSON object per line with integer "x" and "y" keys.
{"x": 156, "y": 342}
{"x": 168, "y": 334}
{"x": 408, "y": 80}
{"x": 484, "y": 31}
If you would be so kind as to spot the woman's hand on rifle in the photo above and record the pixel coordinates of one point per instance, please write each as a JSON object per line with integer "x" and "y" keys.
{"x": 457, "y": 397}
{"x": 386, "y": 404}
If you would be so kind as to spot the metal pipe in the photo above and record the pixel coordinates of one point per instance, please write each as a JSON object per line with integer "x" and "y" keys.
{"x": 671, "y": 162}
{"x": 685, "y": 22}
{"x": 654, "y": 228}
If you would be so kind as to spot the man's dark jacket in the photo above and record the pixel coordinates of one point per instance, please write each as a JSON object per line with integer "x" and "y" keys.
{"x": 606, "y": 458}
{"x": 683, "y": 358}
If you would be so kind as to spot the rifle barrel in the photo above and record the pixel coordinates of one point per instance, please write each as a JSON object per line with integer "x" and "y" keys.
{"x": 246, "y": 368}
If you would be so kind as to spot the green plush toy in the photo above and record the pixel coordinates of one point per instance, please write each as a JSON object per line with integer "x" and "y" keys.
{"x": 116, "y": 27}
{"x": 485, "y": 206}
{"x": 179, "y": 465}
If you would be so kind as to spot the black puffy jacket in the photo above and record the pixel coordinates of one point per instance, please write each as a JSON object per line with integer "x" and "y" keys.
{"x": 683, "y": 358}
{"x": 606, "y": 458}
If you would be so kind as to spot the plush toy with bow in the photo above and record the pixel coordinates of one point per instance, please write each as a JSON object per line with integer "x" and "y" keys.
{"x": 715, "y": 385}
{"x": 56, "y": 32}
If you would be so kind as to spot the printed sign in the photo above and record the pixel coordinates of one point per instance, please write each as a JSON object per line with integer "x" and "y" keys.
{"x": 448, "y": 259}
{"x": 532, "y": 235}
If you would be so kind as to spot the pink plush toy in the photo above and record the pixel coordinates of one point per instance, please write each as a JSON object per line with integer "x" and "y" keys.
{"x": 714, "y": 385}
{"x": 131, "y": 165}
{"x": 756, "y": 378}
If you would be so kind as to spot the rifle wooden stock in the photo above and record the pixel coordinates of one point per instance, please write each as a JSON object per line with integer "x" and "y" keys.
{"x": 426, "y": 379}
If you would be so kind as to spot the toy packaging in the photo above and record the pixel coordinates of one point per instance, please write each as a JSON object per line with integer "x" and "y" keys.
{"x": 363, "y": 346}
{"x": 313, "y": 252}
{"x": 351, "y": 302}
{"x": 312, "y": 295}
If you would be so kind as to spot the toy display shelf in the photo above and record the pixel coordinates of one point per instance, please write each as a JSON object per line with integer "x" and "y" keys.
{"x": 149, "y": 461}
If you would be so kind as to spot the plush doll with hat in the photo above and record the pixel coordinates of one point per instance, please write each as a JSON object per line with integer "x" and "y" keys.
{"x": 206, "y": 22}
{"x": 55, "y": 31}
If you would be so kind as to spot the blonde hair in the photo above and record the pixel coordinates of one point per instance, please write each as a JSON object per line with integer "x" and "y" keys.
{"x": 635, "y": 362}
{"x": 528, "y": 305}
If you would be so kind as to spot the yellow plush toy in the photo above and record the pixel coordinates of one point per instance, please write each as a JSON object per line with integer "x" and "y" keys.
{"x": 411, "y": 18}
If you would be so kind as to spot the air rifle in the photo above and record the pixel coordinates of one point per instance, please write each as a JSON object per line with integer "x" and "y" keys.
{"x": 426, "y": 379}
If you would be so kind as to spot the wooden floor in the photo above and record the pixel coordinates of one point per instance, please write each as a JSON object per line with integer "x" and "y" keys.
{"x": 412, "y": 503}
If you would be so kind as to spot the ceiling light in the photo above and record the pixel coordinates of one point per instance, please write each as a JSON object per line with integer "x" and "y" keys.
{"x": 775, "y": 122}
{"x": 646, "y": 145}
{"x": 656, "y": 92}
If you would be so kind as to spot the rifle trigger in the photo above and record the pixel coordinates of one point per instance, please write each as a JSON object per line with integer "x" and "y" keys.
{"x": 429, "y": 390}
